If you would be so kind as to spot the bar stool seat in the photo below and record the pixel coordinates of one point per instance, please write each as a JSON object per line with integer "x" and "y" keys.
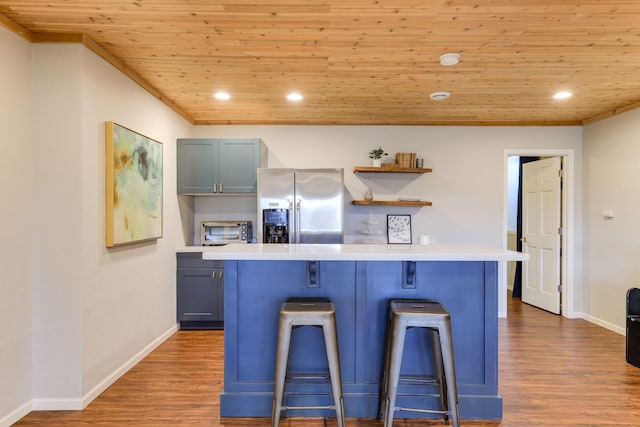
{"x": 406, "y": 314}
{"x": 307, "y": 312}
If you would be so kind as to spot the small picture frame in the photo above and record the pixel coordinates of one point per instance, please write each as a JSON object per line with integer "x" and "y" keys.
{"x": 399, "y": 229}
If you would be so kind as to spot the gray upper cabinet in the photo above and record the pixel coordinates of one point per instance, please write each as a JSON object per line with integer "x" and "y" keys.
{"x": 219, "y": 166}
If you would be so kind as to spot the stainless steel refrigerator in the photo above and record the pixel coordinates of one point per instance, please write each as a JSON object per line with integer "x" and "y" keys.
{"x": 309, "y": 201}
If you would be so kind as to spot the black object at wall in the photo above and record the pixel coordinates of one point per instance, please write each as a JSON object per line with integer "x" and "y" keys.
{"x": 633, "y": 327}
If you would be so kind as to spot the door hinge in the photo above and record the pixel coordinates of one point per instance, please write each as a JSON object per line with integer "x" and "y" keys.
{"x": 560, "y": 288}
{"x": 560, "y": 173}
{"x": 560, "y": 231}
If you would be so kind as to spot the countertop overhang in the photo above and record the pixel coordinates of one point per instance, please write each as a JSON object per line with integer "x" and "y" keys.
{"x": 355, "y": 252}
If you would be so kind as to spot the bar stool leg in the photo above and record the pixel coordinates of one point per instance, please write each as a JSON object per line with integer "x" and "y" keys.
{"x": 446, "y": 343}
{"x": 282, "y": 356}
{"x": 399, "y": 330}
{"x": 439, "y": 372}
{"x": 333, "y": 357}
{"x": 385, "y": 368}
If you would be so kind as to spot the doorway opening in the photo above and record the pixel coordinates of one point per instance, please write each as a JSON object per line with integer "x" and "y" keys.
{"x": 567, "y": 236}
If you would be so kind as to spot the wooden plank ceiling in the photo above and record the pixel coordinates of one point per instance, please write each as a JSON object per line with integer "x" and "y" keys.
{"x": 368, "y": 62}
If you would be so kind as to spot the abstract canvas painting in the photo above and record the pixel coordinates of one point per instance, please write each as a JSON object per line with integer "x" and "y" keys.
{"x": 133, "y": 186}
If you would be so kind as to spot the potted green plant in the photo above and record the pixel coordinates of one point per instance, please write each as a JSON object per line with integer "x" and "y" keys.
{"x": 376, "y": 154}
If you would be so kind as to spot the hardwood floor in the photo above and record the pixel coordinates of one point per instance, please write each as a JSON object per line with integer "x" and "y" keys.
{"x": 553, "y": 372}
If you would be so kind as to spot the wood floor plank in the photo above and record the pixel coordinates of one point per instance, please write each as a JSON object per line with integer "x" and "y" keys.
{"x": 553, "y": 372}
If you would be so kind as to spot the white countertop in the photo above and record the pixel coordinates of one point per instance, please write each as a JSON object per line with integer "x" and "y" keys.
{"x": 355, "y": 252}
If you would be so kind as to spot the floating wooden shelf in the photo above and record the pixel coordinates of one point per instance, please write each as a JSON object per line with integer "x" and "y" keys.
{"x": 391, "y": 203}
{"x": 389, "y": 169}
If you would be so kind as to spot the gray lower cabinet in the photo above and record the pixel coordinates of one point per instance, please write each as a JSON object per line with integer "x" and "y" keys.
{"x": 200, "y": 292}
{"x": 219, "y": 165}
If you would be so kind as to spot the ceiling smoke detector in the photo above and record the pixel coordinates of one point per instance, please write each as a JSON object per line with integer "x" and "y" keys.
{"x": 439, "y": 96}
{"x": 449, "y": 59}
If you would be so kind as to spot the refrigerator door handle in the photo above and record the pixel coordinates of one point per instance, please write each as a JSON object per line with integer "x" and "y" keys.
{"x": 292, "y": 221}
{"x": 297, "y": 221}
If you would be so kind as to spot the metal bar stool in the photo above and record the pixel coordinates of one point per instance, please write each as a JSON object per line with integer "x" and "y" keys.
{"x": 307, "y": 312}
{"x": 405, "y": 314}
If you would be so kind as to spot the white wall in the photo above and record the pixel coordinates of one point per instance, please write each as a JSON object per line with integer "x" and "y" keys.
{"x": 612, "y": 247}
{"x": 93, "y": 312}
{"x": 57, "y": 251}
{"x": 129, "y": 292}
{"x": 466, "y": 186}
{"x": 16, "y": 187}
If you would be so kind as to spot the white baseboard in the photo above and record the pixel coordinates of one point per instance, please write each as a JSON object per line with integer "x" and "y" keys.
{"x": 53, "y": 404}
{"x": 81, "y": 403}
{"x": 107, "y": 382}
{"x": 610, "y": 326}
{"x": 15, "y": 415}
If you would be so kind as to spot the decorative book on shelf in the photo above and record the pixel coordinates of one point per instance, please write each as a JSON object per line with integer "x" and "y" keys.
{"x": 406, "y": 160}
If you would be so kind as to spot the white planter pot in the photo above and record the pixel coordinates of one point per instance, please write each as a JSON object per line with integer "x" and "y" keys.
{"x": 376, "y": 163}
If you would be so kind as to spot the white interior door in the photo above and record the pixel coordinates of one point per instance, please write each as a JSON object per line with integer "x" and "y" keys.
{"x": 541, "y": 195}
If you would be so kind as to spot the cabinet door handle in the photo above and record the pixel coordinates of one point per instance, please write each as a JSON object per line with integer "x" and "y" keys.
{"x": 215, "y": 187}
{"x": 213, "y": 276}
{"x": 221, "y": 188}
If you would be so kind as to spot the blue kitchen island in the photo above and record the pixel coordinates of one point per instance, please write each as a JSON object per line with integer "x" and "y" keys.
{"x": 360, "y": 280}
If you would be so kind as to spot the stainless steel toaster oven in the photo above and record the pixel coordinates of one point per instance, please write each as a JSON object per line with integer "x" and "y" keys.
{"x": 222, "y": 232}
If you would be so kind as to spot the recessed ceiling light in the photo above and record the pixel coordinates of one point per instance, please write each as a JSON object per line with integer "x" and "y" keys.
{"x": 222, "y": 96}
{"x": 295, "y": 96}
{"x": 449, "y": 59}
{"x": 439, "y": 96}
{"x": 562, "y": 95}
